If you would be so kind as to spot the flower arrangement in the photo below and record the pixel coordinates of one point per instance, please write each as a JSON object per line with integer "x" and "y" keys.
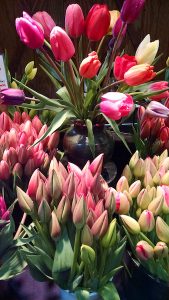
{"x": 90, "y": 88}
{"x": 75, "y": 240}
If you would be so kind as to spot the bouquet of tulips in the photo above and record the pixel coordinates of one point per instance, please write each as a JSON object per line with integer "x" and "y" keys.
{"x": 74, "y": 239}
{"x": 142, "y": 200}
{"x": 90, "y": 88}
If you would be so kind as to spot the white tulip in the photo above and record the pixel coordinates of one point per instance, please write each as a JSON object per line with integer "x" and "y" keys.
{"x": 146, "y": 51}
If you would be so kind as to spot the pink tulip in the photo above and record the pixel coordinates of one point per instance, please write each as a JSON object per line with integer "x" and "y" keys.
{"x": 157, "y": 86}
{"x": 100, "y": 226}
{"x": 53, "y": 140}
{"x": 5, "y": 122}
{"x": 74, "y": 20}
{"x": 30, "y": 31}
{"x": 37, "y": 124}
{"x": 122, "y": 64}
{"x": 62, "y": 46}
{"x": 17, "y": 117}
{"x": 46, "y": 21}
{"x": 4, "y": 213}
{"x": 139, "y": 74}
{"x": 90, "y": 65}
{"x": 116, "y": 105}
{"x": 96, "y": 165}
{"x": 144, "y": 250}
{"x": 4, "y": 170}
{"x": 97, "y": 22}
{"x": 18, "y": 170}
{"x": 34, "y": 182}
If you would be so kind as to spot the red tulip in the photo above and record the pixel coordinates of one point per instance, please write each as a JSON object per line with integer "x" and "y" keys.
{"x": 46, "y": 21}
{"x": 90, "y": 65}
{"x": 164, "y": 134}
{"x": 157, "y": 86}
{"x": 29, "y": 31}
{"x": 62, "y": 46}
{"x": 139, "y": 74}
{"x": 97, "y": 22}
{"x": 4, "y": 170}
{"x": 116, "y": 105}
{"x": 145, "y": 130}
{"x": 122, "y": 64}
{"x": 131, "y": 10}
{"x": 74, "y": 20}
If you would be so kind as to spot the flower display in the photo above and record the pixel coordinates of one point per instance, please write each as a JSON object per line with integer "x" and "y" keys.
{"x": 46, "y": 21}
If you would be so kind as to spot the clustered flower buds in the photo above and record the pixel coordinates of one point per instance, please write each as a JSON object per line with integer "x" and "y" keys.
{"x": 17, "y": 135}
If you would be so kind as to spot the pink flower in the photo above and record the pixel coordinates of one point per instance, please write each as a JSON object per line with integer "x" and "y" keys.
{"x": 157, "y": 86}
{"x": 30, "y": 31}
{"x": 116, "y": 105}
{"x": 4, "y": 213}
{"x": 46, "y": 21}
{"x": 139, "y": 74}
{"x": 122, "y": 64}
{"x": 74, "y": 20}
{"x": 62, "y": 46}
{"x": 90, "y": 65}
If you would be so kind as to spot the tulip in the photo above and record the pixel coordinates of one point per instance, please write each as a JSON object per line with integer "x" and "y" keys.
{"x": 12, "y": 96}
{"x": 44, "y": 211}
{"x": 134, "y": 159}
{"x": 122, "y": 203}
{"x": 25, "y": 202}
{"x": 116, "y": 105}
{"x": 90, "y": 65}
{"x": 53, "y": 140}
{"x": 96, "y": 165}
{"x": 30, "y": 31}
{"x": 122, "y": 184}
{"x": 69, "y": 186}
{"x": 146, "y": 51}
{"x": 53, "y": 185}
{"x": 164, "y": 134}
{"x": 79, "y": 213}
{"x": 109, "y": 238}
{"x": 62, "y": 46}
{"x": 139, "y": 168}
{"x": 162, "y": 230}
{"x": 156, "y": 205}
{"x": 18, "y": 170}
{"x": 97, "y": 22}
{"x": 34, "y": 183}
{"x": 165, "y": 190}
{"x": 157, "y": 86}
{"x": 131, "y": 10}
{"x": 87, "y": 255}
{"x": 74, "y": 20}
{"x": 134, "y": 188}
{"x": 150, "y": 166}
{"x": 4, "y": 170}
{"x": 146, "y": 129}
{"x": 46, "y": 21}
{"x": 148, "y": 180}
{"x": 55, "y": 229}
{"x": 157, "y": 109}
{"x": 139, "y": 74}
{"x": 86, "y": 236}
{"x": 146, "y": 221}
{"x": 122, "y": 64}
{"x": 63, "y": 210}
{"x": 110, "y": 203}
{"x": 131, "y": 224}
{"x": 127, "y": 173}
{"x": 114, "y": 16}
{"x": 118, "y": 27}
{"x": 161, "y": 250}
{"x": 41, "y": 193}
{"x": 144, "y": 250}
{"x": 100, "y": 226}
{"x": 4, "y": 213}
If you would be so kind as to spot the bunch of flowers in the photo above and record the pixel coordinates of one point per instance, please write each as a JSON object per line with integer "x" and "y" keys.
{"x": 142, "y": 199}
{"x": 16, "y": 154}
{"x": 87, "y": 86}
{"x": 74, "y": 234}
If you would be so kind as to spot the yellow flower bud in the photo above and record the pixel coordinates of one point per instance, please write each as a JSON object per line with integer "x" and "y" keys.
{"x": 156, "y": 205}
{"x": 127, "y": 173}
{"x": 109, "y": 238}
{"x": 14, "y": 85}
{"x": 146, "y": 51}
{"x": 131, "y": 224}
{"x": 162, "y": 230}
{"x": 143, "y": 199}
{"x": 29, "y": 67}
{"x": 152, "y": 193}
{"x": 161, "y": 250}
{"x": 32, "y": 75}
{"x": 25, "y": 202}
{"x": 165, "y": 164}
{"x": 87, "y": 255}
{"x": 134, "y": 188}
{"x": 165, "y": 178}
{"x": 148, "y": 180}
{"x": 146, "y": 221}
{"x": 139, "y": 168}
{"x": 122, "y": 184}
{"x": 155, "y": 160}
{"x": 163, "y": 156}
{"x": 134, "y": 160}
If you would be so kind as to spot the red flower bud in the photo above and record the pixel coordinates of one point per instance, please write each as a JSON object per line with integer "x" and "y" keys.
{"x": 139, "y": 74}
{"x": 90, "y": 65}
{"x": 100, "y": 226}
{"x": 4, "y": 170}
{"x": 46, "y": 21}
{"x": 74, "y": 20}
{"x": 122, "y": 64}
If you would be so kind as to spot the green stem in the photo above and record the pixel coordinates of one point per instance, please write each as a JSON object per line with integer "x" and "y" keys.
{"x": 110, "y": 86}
{"x": 146, "y": 239}
{"x": 59, "y": 73}
{"x": 47, "y": 44}
{"x": 102, "y": 264}
{"x": 50, "y": 247}
{"x": 113, "y": 55}
{"x": 76, "y": 253}
{"x": 161, "y": 71}
{"x": 100, "y": 45}
{"x": 18, "y": 232}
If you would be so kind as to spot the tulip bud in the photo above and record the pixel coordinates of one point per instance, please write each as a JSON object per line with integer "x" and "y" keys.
{"x": 24, "y": 201}
{"x": 99, "y": 209}
{"x": 29, "y": 67}
{"x": 74, "y": 20}
{"x": 96, "y": 165}
{"x": 55, "y": 229}
{"x": 134, "y": 189}
{"x": 152, "y": 193}
{"x": 165, "y": 192}
{"x": 162, "y": 230}
{"x": 34, "y": 183}
{"x": 127, "y": 173}
{"x": 131, "y": 10}
{"x": 143, "y": 199}
{"x": 156, "y": 205}
{"x": 86, "y": 236}
{"x": 139, "y": 168}
{"x": 69, "y": 186}
{"x": 122, "y": 203}
{"x": 148, "y": 180}
{"x": 87, "y": 255}
{"x": 4, "y": 170}
{"x": 128, "y": 197}
{"x": 45, "y": 20}
{"x": 5, "y": 122}
{"x": 110, "y": 203}
{"x": 32, "y": 75}
{"x": 17, "y": 170}
{"x": 145, "y": 130}
{"x": 155, "y": 160}
{"x": 122, "y": 184}
{"x": 29, "y": 167}
{"x": 53, "y": 140}
{"x": 53, "y": 185}
{"x": 161, "y": 250}
{"x": 144, "y": 250}
{"x": 63, "y": 209}
{"x": 131, "y": 224}
{"x": 146, "y": 51}
{"x": 99, "y": 228}
{"x": 41, "y": 193}
{"x": 163, "y": 156}
{"x": 79, "y": 213}
{"x": 44, "y": 211}
{"x": 150, "y": 166}
{"x": 146, "y": 221}
{"x": 12, "y": 96}
{"x": 165, "y": 179}
{"x": 139, "y": 74}
{"x": 138, "y": 212}
{"x": 90, "y": 65}
{"x": 14, "y": 85}
{"x": 133, "y": 160}
{"x": 109, "y": 238}
{"x": 165, "y": 164}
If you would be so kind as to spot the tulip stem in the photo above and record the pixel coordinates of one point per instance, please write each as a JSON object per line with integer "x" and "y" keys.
{"x": 145, "y": 238}
{"x": 76, "y": 252}
{"x": 100, "y": 45}
{"x": 161, "y": 71}
{"x": 18, "y": 232}
{"x": 45, "y": 238}
{"x": 113, "y": 55}
{"x": 47, "y": 44}
{"x": 58, "y": 72}
{"x": 110, "y": 86}
{"x": 103, "y": 261}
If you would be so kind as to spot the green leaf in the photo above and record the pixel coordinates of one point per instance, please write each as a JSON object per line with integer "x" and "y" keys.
{"x": 109, "y": 292}
{"x": 110, "y": 275}
{"x": 37, "y": 262}
{"x": 57, "y": 122}
{"x": 12, "y": 266}
{"x": 82, "y": 294}
{"x": 8, "y": 76}
{"x": 115, "y": 258}
{"x": 63, "y": 94}
{"x": 90, "y": 136}
{"x": 63, "y": 259}
{"x": 115, "y": 127}
{"x": 76, "y": 282}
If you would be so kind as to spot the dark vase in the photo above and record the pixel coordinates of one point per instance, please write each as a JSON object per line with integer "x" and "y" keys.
{"x": 76, "y": 145}
{"x": 140, "y": 284}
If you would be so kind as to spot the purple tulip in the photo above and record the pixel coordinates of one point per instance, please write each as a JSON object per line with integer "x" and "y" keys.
{"x": 131, "y": 10}
{"x": 12, "y": 96}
